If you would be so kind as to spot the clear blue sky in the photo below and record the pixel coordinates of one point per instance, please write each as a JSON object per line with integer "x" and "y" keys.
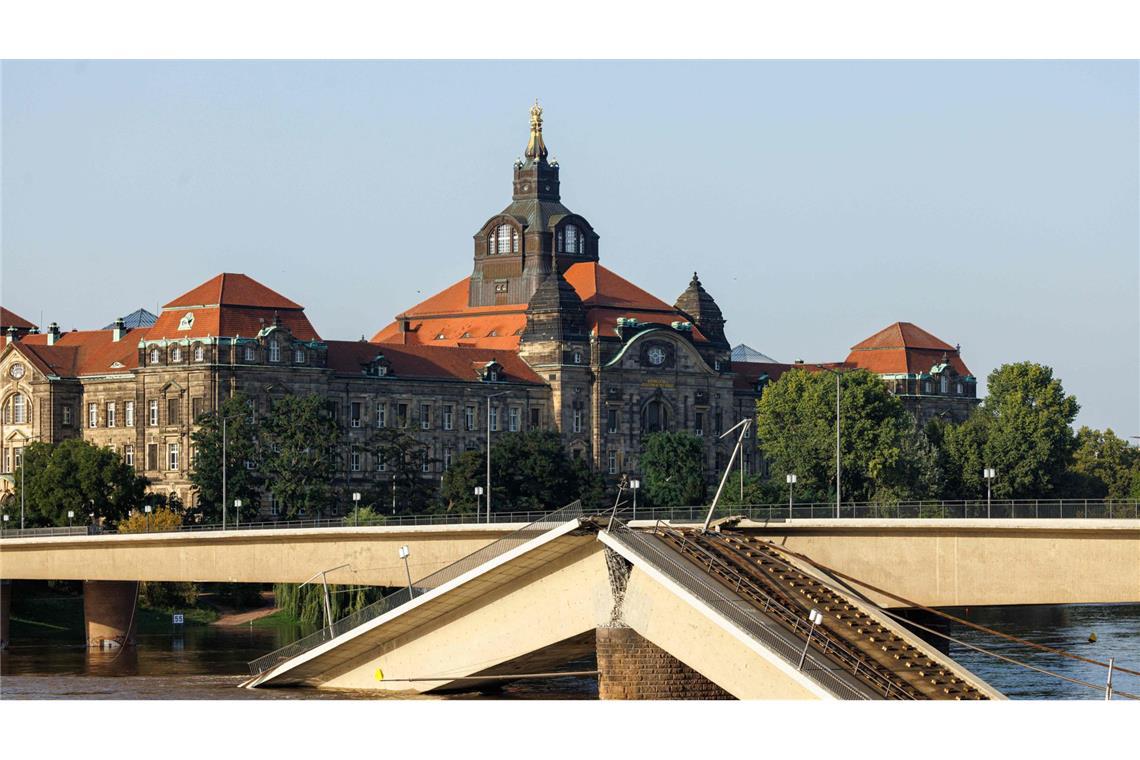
{"x": 993, "y": 204}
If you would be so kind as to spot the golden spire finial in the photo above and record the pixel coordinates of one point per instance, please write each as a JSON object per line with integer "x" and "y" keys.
{"x": 536, "y": 149}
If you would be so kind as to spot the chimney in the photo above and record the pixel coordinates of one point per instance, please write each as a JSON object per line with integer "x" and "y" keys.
{"x": 11, "y": 336}
{"x": 119, "y": 330}
{"x": 53, "y": 333}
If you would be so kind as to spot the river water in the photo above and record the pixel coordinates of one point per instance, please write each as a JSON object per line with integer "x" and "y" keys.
{"x": 208, "y": 662}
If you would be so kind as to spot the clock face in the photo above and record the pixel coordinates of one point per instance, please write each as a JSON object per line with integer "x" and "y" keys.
{"x": 656, "y": 355}
{"x": 16, "y": 371}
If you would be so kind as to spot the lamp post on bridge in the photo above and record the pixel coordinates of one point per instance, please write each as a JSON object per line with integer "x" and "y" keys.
{"x": 838, "y": 461}
{"x": 989, "y": 474}
{"x": 70, "y": 515}
{"x": 816, "y": 618}
{"x": 404, "y": 552}
{"x": 325, "y": 583}
{"x": 634, "y": 485}
{"x": 145, "y": 509}
{"x": 791, "y": 478}
{"x": 356, "y": 507}
{"x": 493, "y": 395}
{"x": 237, "y": 514}
{"x": 478, "y": 501}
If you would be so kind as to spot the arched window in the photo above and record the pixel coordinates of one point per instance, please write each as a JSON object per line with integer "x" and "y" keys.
{"x": 16, "y": 410}
{"x": 176, "y": 354}
{"x": 199, "y": 353}
{"x": 573, "y": 239}
{"x": 655, "y": 417}
{"x": 504, "y": 239}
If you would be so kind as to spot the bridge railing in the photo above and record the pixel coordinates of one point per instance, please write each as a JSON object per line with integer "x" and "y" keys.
{"x": 390, "y": 602}
{"x": 1022, "y": 509}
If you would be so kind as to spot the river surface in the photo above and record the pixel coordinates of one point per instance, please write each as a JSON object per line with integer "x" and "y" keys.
{"x": 208, "y": 662}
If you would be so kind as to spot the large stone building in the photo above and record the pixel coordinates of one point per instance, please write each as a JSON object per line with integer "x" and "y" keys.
{"x": 541, "y": 333}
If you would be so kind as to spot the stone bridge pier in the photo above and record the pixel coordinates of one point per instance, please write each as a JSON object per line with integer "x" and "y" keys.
{"x": 109, "y": 613}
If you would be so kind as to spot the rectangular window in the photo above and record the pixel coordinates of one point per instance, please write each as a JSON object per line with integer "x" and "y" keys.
{"x": 197, "y": 407}
{"x": 611, "y": 462}
{"x": 153, "y": 411}
{"x": 402, "y": 415}
{"x": 534, "y": 418}
{"x": 425, "y": 417}
{"x": 92, "y": 415}
{"x": 699, "y": 424}
{"x": 612, "y": 420}
{"x": 355, "y": 414}
{"x": 274, "y": 505}
{"x": 425, "y": 465}
{"x": 447, "y": 455}
{"x": 250, "y": 354}
{"x": 274, "y": 351}
{"x": 66, "y": 410}
{"x": 381, "y": 415}
{"x": 514, "y": 419}
{"x": 172, "y": 456}
{"x": 110, "y": 414}
{"x": 129, "y": 414}
{"x": 577, "y": 426}
{"x": 129, "y": 455}
{"x": 494, "y": 418}
{"x": 448, "y": 417}
{"x": 355, "y": 461}
{"x": 332, "y": 409}
{"x": 469, "y": 418}
{"x": 152, "y": 456}
{"x": 381, "y": 463}
{"x": 172, "y": 411}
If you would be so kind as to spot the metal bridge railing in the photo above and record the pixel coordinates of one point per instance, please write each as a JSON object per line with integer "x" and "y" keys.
{"x": 974, "y": 509}
{"x": 739, "y": 611}
{"x": 547, "y": 522}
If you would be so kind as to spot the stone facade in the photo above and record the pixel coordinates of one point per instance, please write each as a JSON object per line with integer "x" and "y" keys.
{"x": 629, "y": 667}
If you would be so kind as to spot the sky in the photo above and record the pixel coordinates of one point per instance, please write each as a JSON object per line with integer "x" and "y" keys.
{"x": 994, "y": 204}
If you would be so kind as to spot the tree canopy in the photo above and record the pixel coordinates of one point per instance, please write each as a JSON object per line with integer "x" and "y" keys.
{"x": 404, "y": 457}
{"x": 673, "y": 469}
{"x": 242, "y": 482}
{"x": 299, "y": 447}
{"x": 76, "y": 475}
{"x": 529, "y": 471}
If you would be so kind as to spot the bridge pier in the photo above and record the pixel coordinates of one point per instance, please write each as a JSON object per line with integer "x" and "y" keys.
{"x": 109, "y": 613}
{"x": 630, "y": 667}
{"x": 5, "y": 611}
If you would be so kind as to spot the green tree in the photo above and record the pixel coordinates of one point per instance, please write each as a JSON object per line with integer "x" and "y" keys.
{"x": 1022, "y": 429}
{"x": 76, "y": 475}
{"x": 404, "y": 456}
{"x": 1104, "y": 466}
{"x": 241, "y": 447}
{"x": 673, "y": 470}
{"x": 299, "y": 443}
{"x": 883, "y": 454}
{"x": 529, "y": 471}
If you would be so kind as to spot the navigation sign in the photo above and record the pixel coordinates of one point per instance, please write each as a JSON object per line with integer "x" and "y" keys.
{"x": 178, "y": 618}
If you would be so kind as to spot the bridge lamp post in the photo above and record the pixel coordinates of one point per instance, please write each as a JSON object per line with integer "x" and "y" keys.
{"x": 634, "y": 485}
{"x": 224, "y": 421}
{"x": 791, "y": 478}
{"x": 70, "y": 515}
{"x": 989, "y": 474}
{"x": 493, "y": 395}
{"x": 838, "y": 462}
{"x": 404, "y": 552}
{"x": 145, "y": 509}
{"x": 237, "y": 514}
{"x": 325, "y": 583}
{"x": 356, "y": 507}
{"x": 816, "y": 618}
{"x": 5, "y": 524}
{"x": 478, "y": 501}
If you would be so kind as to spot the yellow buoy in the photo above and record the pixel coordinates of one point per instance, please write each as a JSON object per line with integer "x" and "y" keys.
{"x": 379, "y": 674}
{"x": 1092, "y": 637}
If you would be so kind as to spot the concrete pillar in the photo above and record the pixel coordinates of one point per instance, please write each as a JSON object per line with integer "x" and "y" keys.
{"x": 630, "y": 667}
{"x": 109, "y": 613}
{"x": 5, "y": 611}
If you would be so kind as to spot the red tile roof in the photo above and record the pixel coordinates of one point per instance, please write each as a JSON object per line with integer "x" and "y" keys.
{"x": 228, "y": 289}
{"x": 445, "y": 319}
{"x": 78, "y": 353}
{"x": 12, "y": 319}
{"x": 904, "y": 349}
{"x": 428, "y": 362}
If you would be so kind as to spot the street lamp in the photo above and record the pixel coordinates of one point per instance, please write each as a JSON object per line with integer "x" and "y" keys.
{"x": 70, "y": 514}
{"x": 237, "y": 514}
{"x": 838, "y": 463}
{"x": 743, "y": 425}
{"x": 634, "y": 485}
{"x": 325, "y": 583}
{"x": 478, "y": 501}
{"x": 356, "y": 507}
{"x": 989, "y": 474}
{"x": 5, "y": 522}
{"x": 791, "y": 478}
{"x": 145, "y": 509}
{"x": 816, "y": 618}
{"x": 404, "y": 552}
{"x": 493, "y": 395}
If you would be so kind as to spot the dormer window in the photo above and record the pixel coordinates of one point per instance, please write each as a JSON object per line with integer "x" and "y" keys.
{"x": 175, "y": 355}
{"x": 154, "y": 356}
{"x": 574, "y": 242}
{"x": 250, "y": 354}
{"x": 492, "y": 372}
{"x": 504, "y": 239}
{"x": 199, "y": 353}
{"x": 299, "y": 356}
{"x": 187, "y": 321}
